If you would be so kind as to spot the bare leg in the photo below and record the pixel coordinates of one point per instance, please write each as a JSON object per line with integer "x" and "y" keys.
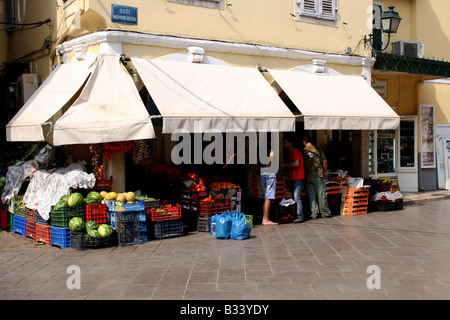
{"x": 266, "y": 210}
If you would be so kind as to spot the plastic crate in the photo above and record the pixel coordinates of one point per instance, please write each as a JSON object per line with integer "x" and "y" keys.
{"x": 62, "y": 216}
{"x": 149, "y": 204}
{"x": 20, "y": 212}
{"x": 40, "y": 220}
{"x": 249, "y": 220}
{"x": 97, "y": 213}
{"x": 168, "y": 228}
{"x": 60, "y": 236}
{"x": 30, "y": 229}
{"x": 210, "y": 208}
{"x": 356, "y": 191}
{"x": 127, "y": 227}
{"x": 31, "y": 214}
{"x": 11, "y": 222}
{"x": 19, "y": 225}
{"x": 204, "y": 223}
{"x": 354, "y": 211}
{"x": 192, "y": 195}
{"x": 43, "y": 233}
{"x": 385, "y": 205}
{"x": 5, "y": 218}
{"x": 103, "y": 184}
{"x": 83, "y": 241}
{"x": 163, "y": 213}
{"x": 286, "y": 214}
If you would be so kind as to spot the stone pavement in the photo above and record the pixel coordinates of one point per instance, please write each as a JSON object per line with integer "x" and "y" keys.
{"x": 324, "y": 259}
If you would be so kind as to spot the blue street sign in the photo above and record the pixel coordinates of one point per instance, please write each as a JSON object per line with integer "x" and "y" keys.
{"x": 124, "y": 14}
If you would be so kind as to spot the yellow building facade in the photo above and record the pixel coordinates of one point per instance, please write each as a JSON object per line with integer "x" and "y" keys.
{"x": 306, "y": 35}
{"x": 410, "y": 74}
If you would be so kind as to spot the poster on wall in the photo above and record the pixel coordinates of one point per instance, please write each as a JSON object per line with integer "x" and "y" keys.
{"x": 427, "y": 136}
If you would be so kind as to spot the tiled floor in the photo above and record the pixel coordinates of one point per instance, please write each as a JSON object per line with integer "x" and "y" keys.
{"x": 321, "y": 259}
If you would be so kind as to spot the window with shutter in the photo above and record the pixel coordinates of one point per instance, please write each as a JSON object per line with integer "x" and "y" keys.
{"x": 319, "y": 11}
{"x": 218, "y": 4}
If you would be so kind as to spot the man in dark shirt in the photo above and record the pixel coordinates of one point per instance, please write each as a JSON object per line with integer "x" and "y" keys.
{"x": 316, "y": 167}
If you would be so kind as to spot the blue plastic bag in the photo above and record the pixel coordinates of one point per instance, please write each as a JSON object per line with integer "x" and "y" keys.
{"x": 223, "y": 225}
{"x": 240, "y": 229}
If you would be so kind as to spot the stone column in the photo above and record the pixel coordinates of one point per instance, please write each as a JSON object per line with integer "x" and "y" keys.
{"x": 115, "y": 167}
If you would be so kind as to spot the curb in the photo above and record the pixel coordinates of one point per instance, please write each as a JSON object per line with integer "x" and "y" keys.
{"x": 425, "y": 199}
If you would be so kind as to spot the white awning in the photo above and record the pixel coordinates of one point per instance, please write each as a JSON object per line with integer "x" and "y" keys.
{"x": 108, "y": 109}
{"x": 333, "y": 102}
{"x": 197, "y": 97}
{"x": 47, "y": 102}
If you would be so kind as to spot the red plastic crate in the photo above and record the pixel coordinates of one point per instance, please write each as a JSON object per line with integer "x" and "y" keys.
{"x": 210, "y": 208}
{"x": 168, "y": 212}
{"x": 5, "y": 218}
{"x": 43, "y": 233}
{"x": 30, "y": 214}
{"x": 97, "y": 213}
{"x": 30, "y": 229}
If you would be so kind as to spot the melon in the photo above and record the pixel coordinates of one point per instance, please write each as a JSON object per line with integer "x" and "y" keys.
{"x": 75, "y": 199}
{"x": 76, "y": 224}
{"x": 105, "y": 230}
{"x": 131, "y": 197}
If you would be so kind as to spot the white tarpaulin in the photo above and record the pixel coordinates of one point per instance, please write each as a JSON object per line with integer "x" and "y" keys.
{"x": 108, "y": 109}
{"x": 336, "y": 102}
{"x": 48, "y": 100}
{"x": 199, "y": 97}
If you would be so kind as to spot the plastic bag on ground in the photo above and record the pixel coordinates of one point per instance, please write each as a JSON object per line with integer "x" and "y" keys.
{"x": 240, "y": 229}
{"x": 223, "y": 225}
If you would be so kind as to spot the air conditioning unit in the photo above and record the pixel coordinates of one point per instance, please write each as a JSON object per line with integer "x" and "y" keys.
{"x": 408, "y": 48}
{"x": 28, "y": 85}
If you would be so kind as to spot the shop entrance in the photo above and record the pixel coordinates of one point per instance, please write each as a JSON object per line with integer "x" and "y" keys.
{"x": 443, "y": 159}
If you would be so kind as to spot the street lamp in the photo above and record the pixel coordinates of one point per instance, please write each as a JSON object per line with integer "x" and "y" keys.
{"x": 390, "y": 20}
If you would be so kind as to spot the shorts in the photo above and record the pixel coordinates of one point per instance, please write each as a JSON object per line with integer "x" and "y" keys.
{"x": 269, "y": 184}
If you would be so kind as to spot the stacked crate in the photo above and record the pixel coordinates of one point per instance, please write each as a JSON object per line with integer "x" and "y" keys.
{"x": 42, "y": 229}
{"x": 5, "y": 219}
{"x": 355, "y": 200}
{"x": 255, "y": 188}
{"x": 129, "y": 220}
{"x": 30, "y": 228}
{"x": 165, "y": 221}
{"x": 207, "y": 210}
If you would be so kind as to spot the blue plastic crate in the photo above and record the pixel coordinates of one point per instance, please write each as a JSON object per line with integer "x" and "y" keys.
{"x": 60, "y": 236}
{"x": 20, "y": 225}
{"x": 143, "y": 236}
{"x": 41, "y": 220}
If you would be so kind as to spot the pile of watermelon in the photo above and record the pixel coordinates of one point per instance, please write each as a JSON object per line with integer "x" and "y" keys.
{"x": 76, "y": 224}
{"x": 76, "y": 199}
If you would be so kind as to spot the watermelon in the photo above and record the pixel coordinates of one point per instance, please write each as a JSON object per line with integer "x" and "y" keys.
{"x": 76, "y": 224}
{"x": 65, "y": 198}
{"x": 105, "y": 230}
{"x": 94, "y": 234}
{"x": 91, "y": 201}
{"x": 75, "y": 199}
{"x": 91, "y": 225}
{"x": 60, "y": 204}
{"x": 95, "y": 195}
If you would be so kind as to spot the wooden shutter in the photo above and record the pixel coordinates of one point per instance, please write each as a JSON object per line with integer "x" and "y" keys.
{"x": 310, "y": 6}
{"x": 328, "y": 8}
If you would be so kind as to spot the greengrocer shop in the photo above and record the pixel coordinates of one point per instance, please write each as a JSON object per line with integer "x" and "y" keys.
{"x": 123, "y": 112}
